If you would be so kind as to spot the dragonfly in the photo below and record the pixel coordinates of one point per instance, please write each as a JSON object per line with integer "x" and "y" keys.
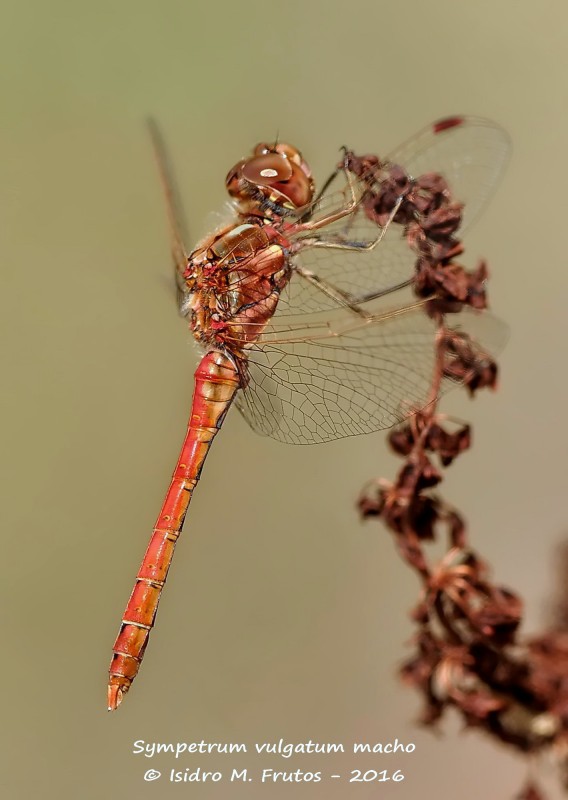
{"x": 300, "y": 306}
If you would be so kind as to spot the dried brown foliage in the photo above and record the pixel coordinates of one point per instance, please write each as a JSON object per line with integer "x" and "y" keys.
{"x": 467, "y": 651}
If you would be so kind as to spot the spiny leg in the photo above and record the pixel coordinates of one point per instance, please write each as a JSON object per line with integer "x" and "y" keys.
{"x": 343, "y": 298}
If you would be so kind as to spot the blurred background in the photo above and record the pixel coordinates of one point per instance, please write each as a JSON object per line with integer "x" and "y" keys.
{"x": 284, "y": 615}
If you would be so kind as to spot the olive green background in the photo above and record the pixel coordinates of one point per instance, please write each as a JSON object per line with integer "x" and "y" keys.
{"x": 284, "y": 616}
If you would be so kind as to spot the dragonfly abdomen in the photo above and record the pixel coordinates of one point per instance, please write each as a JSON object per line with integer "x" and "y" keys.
{"x": 216, "y": 382}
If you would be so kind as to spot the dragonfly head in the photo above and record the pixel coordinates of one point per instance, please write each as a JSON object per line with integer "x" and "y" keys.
{"x": 275, "y": 177}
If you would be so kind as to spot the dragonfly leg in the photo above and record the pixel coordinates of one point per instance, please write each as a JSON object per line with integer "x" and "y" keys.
{"x": 342, "y": 298}
{"x": 348, "y": 209}
{"x": 341, "y": 243}
{"x": 347, "y": 299}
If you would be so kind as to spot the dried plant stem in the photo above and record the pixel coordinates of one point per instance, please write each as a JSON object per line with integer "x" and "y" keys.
{"x": 468, "y": 654}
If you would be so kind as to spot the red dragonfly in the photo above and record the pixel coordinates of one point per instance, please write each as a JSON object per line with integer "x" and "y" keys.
{"x": 286, "y": 301}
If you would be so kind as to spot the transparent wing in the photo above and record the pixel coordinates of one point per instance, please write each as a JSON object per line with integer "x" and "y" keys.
{"x": 349, "y": 258}
{"x": 471, "y": 153}
{"x": 178, "y": 234}
{"x": 341, "y": 380}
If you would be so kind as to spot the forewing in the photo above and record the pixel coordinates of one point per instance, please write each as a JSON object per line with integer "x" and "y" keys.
{"x": 174, "y": 209}
{"x": 348, "y": 380}
{"x": 470, "y": 152}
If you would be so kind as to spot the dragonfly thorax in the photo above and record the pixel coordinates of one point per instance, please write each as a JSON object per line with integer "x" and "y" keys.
{"x": 234, "y": 280}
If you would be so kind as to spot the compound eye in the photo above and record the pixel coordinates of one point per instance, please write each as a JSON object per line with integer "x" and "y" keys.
{"x": 267, "y": 170}
{"x": 233, "y": 177}
{"x": 289, "y": 151}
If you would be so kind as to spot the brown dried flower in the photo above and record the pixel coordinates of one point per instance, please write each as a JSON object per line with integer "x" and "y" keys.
{"x": 467, "y": 650}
